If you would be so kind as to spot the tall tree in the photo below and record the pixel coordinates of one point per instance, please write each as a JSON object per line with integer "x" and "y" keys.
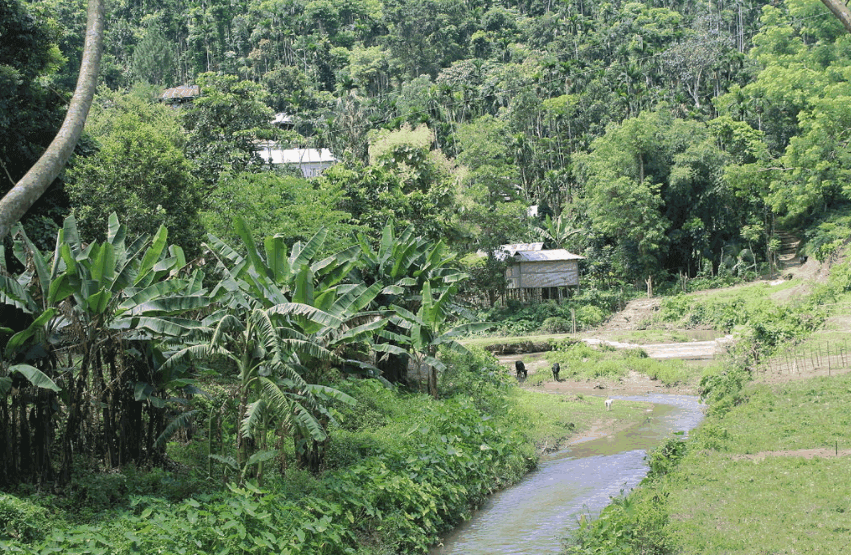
{"x": 33, "y": 185}
{"x": 139, "y": 172}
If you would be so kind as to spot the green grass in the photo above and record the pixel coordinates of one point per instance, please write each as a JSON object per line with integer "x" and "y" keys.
{"x": 482, "y": 342}
{"x": 777, "y": 505}
{"x": 804, "y": 414}
{"x": 580, "y": 361}
{"x": 554, "y": 417}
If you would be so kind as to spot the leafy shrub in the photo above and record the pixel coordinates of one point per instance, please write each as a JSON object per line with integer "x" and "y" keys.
{"x": 825, "y": 239}
{"x": 556, "y": 324}
{"x": 669, "y": 372}
{"x": 709, "y": 436}
{"x": 591, "y": 306}
{"x": 667, "y": 456}
{"x": 722, "y": 389}
{"x": 589, "y": 316}
{"x": 477, "y": 374}
{"x": 633, "y": 524}
{"x": 21, "y": 520}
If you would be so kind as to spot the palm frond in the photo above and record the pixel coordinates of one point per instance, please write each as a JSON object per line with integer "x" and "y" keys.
{"x": 182, "y": 420}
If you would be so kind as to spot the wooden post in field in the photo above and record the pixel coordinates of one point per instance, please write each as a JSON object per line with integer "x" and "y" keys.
{"x": 828, "y": 359}
{"x": 573, "y": 319}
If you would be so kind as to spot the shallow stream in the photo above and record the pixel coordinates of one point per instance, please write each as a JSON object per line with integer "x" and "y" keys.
{"x": 532, "y": 517}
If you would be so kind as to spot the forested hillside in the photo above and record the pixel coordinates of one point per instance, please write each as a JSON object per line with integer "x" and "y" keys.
{"x": 660, "y": 137}
{"x": 185, "y": 327}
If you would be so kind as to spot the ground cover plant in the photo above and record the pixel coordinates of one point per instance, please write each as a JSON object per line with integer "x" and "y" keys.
{"x": 776, "y": 456}
{"x": 588, "y": 307}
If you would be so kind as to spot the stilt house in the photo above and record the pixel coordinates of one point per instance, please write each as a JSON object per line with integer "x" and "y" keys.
{"x": 535, "y": 274}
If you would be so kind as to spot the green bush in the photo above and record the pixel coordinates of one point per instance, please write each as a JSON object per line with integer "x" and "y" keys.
{"x": 21, "y": 520}
{"x": 667, "y": 456}
{"x": 589, "y": 316}
{"x": 556, "y": 324}
{"x": 629, "y": 525}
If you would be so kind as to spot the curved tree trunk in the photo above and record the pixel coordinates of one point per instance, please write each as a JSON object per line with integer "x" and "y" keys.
{"x": 30, "y": 188}
{"x": 841, "y": 11}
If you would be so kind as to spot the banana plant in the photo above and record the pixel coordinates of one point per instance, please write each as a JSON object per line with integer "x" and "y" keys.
{"x": 272, "y": 393}
{"x": 427, "y": 331}
{"x": 403, "y": 264}
{"x": 278, "y": 277}
{"x": 99, "y": 306}
{"x": 557, "y": 231}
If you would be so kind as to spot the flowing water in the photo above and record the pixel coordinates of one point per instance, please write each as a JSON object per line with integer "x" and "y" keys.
{"x": 532, "y": 517}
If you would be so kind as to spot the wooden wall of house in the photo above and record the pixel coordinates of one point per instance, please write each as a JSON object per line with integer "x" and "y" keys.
{"x": 533, "y": 275}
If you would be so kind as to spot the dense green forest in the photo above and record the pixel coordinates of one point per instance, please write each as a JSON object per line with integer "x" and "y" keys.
{"x": 669, "y": 138}
{"x": 184, "y": 325}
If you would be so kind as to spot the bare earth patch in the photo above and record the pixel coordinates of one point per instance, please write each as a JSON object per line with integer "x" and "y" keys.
{"x": 822, "y": 453}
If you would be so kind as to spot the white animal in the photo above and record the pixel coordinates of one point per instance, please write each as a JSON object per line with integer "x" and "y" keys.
{"x": 609, "y": 404}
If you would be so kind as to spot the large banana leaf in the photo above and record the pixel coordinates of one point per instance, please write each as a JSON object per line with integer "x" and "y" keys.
{"x": 359, "y": 334}
{"x": 38, "y": 261}
{"x": 277, "y": 259}
{"x": 182, "y": 420}
{"x": 303, "y": 253}
{"x": 22, "y": 336}
{"x": 151, "y": 257}
{"x": 34, "y": 376}
{"x": 354, "y": 300}
{"x": 334, "y": 269}
{"x": 303, "y": 286}
{"x": 14, "y": 294}
{"x": 241, "y": 228}
{"x": 311, "y": 313}
{"x": 164, "y": 306}
{"x": 326, "y": 392}
{"x": 167, "y": 327}
{"x": 254, "y": 417}
{"x": 103, "y": 265}
{"x": 309, "y": 348}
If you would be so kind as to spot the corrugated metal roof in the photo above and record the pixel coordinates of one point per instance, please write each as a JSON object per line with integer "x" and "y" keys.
{"x": 272, "y": 153}
{"x": 183, "y": 91}
{"x": 509, "y": 250}
{"x": 546, "y": 256}
{"x": 515, "y": 247}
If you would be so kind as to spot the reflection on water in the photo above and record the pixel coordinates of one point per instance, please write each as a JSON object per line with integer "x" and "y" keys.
{"x": 531, "y": 517}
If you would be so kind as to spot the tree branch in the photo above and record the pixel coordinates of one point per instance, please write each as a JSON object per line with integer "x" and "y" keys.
{"x": 33, "y": 185}
{"x": 841, "y": 11}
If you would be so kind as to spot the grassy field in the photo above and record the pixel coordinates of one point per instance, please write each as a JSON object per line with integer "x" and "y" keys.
{"x": 766, "y": 477}
{"x": 557, "y": 418}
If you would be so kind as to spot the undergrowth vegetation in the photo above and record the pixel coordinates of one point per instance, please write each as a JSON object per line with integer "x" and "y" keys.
{"x": 401, "y": 468}
{"x": 578, "y": 360}
{"x": 588, "y": 307}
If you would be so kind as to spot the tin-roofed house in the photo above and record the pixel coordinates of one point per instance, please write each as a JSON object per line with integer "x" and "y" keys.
{"x": 311, "y": 161}
{"x": 181, "y": 94}
{"x": 537, "y": 274}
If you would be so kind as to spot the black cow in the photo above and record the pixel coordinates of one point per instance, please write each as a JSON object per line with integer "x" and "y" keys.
{"x": 520, "y": 368}
{"x": 556, "y": 370}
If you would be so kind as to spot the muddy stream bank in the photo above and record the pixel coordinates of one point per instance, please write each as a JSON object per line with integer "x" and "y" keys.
{"x": 533, "y": 516}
